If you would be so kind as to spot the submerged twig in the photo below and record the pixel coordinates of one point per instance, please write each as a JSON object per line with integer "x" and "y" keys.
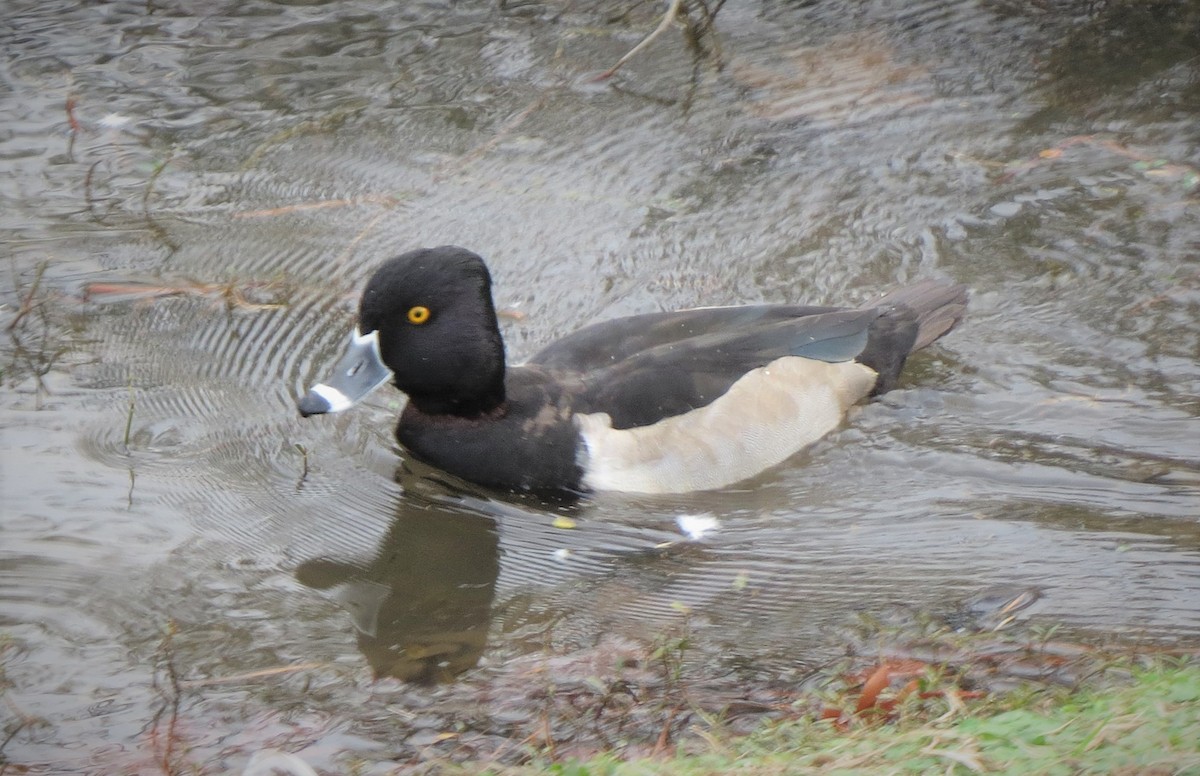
{"x": 697, "y": 31}
{"x": 88, "y": 199}
{"x": 24, "y": 720}
{"x": 668, "y": 18}
{"x": 151, "y": 224}
{"x": 229, "y": 292}
{"x": 664, "y": 736}
{"x": 325, "y": 123}
{"x": 191, "y": 683}
{"x": 370, "y": 199}
{"x": 505, "y": 130}
{"x": 170, "y": 701}
{"x": 1148, "y": 164}
{"x": 304, "y": 464}
{"x": 348, "y": 251}
{"x": 27, "y": 303}
{"x": 71, "y": 120}
{"x": 158, "y": 170}
{"x": 129, "y": 416}
{"x": 73, "y": 123}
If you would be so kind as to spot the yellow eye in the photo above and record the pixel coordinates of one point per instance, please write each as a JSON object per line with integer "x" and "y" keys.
{"x": 418, "y": 314}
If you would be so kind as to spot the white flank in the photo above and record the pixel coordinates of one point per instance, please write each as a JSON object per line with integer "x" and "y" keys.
{"x": 765, "y": 417}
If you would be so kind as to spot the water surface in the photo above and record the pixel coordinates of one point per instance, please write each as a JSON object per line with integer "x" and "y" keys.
{"x": 193, "y": 198}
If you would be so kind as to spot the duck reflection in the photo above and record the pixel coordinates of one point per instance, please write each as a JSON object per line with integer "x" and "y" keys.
{"x": 421, "y": 606}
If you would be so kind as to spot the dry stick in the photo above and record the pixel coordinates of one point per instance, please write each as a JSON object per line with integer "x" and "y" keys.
{"x": 132, "y": 288}
{"x": 667, "y": 19}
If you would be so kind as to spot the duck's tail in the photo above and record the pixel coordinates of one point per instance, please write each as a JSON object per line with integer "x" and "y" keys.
{"x": 939, "y": 306}
{"x": 910, "y": 318}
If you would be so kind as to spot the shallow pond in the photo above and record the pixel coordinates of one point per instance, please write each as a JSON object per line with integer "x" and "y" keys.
{"x": 194, "y": 193}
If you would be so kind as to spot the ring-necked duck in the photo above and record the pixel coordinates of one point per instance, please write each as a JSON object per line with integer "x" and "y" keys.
{"x": 656, "y": 403}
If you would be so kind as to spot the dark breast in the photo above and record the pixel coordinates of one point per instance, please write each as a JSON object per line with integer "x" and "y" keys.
{"x": 528, "y": 444}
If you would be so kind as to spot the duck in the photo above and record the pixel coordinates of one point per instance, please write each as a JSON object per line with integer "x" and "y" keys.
{"x": 661, "y": 402}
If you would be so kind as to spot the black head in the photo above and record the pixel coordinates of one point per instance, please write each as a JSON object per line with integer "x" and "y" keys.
{"x": 437, "y": 329}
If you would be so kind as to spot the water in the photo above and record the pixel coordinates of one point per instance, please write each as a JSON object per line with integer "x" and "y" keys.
{"x": 193, "y": 197}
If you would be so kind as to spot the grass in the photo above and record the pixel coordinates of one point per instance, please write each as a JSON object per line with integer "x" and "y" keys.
{"x": 1149, "y": 723}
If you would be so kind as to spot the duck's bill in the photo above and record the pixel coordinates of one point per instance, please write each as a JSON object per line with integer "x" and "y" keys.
{"x": 360, "y": 371}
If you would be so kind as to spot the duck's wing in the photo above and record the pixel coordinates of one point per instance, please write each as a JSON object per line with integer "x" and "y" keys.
{"x": 609, "y": 342}
{"x": 687, "y": 373}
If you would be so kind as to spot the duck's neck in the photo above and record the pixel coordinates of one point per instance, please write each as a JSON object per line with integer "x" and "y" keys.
{"x": 470, "y": 387}
{"x": 470, "y": 399}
